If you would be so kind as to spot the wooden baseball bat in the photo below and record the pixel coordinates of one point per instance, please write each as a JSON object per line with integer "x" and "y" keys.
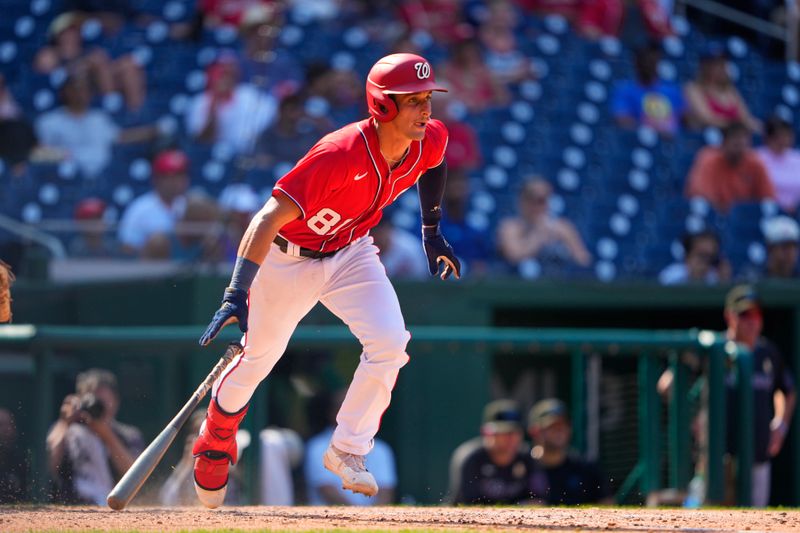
{"x": 140, "y": 470}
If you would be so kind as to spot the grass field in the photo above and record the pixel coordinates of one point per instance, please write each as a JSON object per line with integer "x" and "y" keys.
{"x": 391, "y": 519}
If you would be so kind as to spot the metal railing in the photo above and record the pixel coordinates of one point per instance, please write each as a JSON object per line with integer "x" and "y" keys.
{"x": 788, "y": 33}
{"x": 43, "y": 342}
{"x": 26, "y": 231}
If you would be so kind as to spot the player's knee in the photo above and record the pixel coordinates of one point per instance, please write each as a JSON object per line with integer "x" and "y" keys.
{"x": 390, "y": 349}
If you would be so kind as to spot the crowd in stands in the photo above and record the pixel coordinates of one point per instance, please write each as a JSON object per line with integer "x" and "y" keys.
{"x": 224, "y": 94}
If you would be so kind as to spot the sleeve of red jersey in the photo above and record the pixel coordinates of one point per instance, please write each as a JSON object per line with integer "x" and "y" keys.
{"x": 436, "y": 135}
{"x": 312, "y": 179}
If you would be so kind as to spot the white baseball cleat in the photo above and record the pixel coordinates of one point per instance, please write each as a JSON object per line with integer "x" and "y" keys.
{"x": 350, "y": 468}
{"x": 210, "y": 498}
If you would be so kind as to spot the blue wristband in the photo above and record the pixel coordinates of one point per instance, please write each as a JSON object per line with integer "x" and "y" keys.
{"x": 244, "y": 272}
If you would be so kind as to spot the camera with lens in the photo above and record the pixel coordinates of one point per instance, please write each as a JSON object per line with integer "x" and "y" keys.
{"x": 92, "y": 405}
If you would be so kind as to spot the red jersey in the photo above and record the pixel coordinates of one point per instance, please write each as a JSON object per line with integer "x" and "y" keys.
{"x": 342, "y": 184}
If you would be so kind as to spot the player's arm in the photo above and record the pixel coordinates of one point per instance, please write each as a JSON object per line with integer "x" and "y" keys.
{"x": 431, "y": 190}
{"x": 276, "y": 213}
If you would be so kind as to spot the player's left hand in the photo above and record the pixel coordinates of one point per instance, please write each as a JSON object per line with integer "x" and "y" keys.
{"x": 234, "y": 309}
{"x": 439, "y": 251}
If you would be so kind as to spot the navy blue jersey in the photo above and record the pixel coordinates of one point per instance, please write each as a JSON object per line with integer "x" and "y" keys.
{"x": 769, "y": 374}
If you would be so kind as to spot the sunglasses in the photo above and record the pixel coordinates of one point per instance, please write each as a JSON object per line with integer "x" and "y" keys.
{"x": 752, "y": 313}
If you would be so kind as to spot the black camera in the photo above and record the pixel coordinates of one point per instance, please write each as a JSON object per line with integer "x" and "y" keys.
{"x": 92, "y": 405}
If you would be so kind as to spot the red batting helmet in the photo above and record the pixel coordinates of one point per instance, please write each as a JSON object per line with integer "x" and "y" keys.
{"x": 397, "y": 74}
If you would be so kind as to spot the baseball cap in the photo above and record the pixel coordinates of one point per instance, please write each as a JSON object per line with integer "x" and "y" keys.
{"x": 547, "y": 411}
{"x": 90, "y": 209}
{"x": 741, "y": 298}
{"x": 501, "y": 416}
{"x": 170, "y": 162}
{"x": 62, "y": 22}
{"x": 781, "y": 229}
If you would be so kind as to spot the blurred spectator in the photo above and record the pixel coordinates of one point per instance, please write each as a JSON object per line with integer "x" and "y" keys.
{"x": 317, "y": 10}
{"x": 469, "y": 79}
{"x": 112, "y": 14}
{"x": 537, "y": 234}
{"x": 502, "y": 55}
{"x": 16, "y": 132}
{"x": 263, "y": 63}
{"x": 441, "y": 19}
{"x": 564, "y": 478}
{"x": 229, "y": 112}
{"x": 281, "y": 452}
{"x": 598, "y": 18}
{"x": 291, "y": 136}
{"x": 702, "y": 262}
{"x": 93, "y": 239}
{"x": 239, "y": 203}
{"x": 324, "y": 487}
{"x": 648, "y": 100}
{"x": 774, "y": 395}
{"x": 493, "y": 469}
{"x": 157, "y": 211}
{"x": 463, "y": 149}
{"x": 216, "y": 13}
{"x": 197, "y": 237}
{"x": 6, "y": 279}
{"x": 731, "y": 173}
{"x": 656, "y": 15}
{"x": 65, "y": 50}
{"x": 782, "y": 161}
{"x": 88, "y": 449}
{"x": 565, "y": 8}
{"x": 83, "y": 134}
{"x": 713, "y": 98}
{"x": 782, "y": 237}
{"x": 178, "y": 489}
{"x": 13, "y": 463}
{"x": 473, "y": 245}
{"x": 399, "y": 251}
{"x": 333, "y": 92}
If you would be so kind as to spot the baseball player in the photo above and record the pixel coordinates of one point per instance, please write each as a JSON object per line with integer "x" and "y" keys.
{"x": 310, "y": 243}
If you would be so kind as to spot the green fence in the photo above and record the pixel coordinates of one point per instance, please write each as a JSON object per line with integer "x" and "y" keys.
{"x": 442, "y": 390}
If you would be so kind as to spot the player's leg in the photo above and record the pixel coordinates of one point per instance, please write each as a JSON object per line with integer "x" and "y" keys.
{"x": 760, "y": 484}
{"x": 361, "y": 295}
{"x": 284, "y": 290}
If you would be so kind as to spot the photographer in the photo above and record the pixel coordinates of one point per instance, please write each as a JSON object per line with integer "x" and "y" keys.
{"x": 88, "y": 449}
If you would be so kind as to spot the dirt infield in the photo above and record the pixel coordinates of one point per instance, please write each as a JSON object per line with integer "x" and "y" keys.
{"x": 16, "y": 519}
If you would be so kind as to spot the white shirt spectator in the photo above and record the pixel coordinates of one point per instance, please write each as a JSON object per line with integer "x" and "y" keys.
{"x": 784, "y": 173}
{"x": 405, "y": 257}
{"x": 678, "y": 273}
{"x": 379, "y": 461}
{"x": 87, "y": 138}
{"x": 146, "y": 216}
{"x": 240, "y": 120}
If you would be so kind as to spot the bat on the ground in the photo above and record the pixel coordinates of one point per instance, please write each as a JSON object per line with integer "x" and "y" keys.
{"x": 140, "y": 470}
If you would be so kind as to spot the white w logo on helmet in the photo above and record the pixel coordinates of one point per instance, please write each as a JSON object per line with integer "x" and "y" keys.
{"x": 423, "y": 70}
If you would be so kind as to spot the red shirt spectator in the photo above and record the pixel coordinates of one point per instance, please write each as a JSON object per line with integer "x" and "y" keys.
{"x": 470, "y": 80}
{"x": 729, "y": 174}
{"x": 219, "y": 12}
{"x": 442, "y": 19}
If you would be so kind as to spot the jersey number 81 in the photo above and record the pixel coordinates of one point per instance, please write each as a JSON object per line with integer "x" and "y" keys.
{"x": 323, "y": 222}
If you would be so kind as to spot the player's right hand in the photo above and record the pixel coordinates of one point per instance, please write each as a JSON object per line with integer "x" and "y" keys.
{"x": 233, "y": 309}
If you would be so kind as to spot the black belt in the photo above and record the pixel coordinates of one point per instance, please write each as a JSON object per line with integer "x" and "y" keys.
{"x": 283, "y": 244}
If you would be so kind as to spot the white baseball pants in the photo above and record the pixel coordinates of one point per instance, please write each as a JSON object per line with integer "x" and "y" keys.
{"x": 353, "y": 285}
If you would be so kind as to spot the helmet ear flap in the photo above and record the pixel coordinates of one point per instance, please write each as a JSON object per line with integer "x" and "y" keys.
{"x": 389, "y": 107}
{"x": 383, "y": 107}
